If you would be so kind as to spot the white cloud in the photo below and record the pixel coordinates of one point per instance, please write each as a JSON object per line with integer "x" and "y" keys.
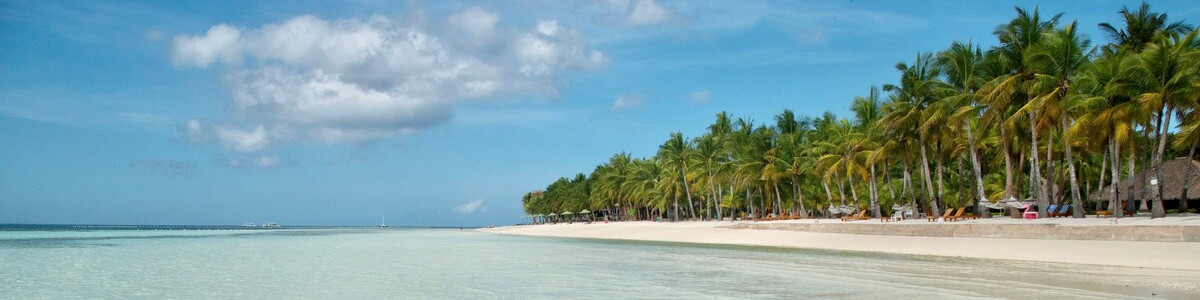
{"x": 646, "y": 12}
{"x": 470, "y": 207}
{"x": 701, "y": 96}
{"x": 194, "y": 131}
{"x": 243, "y": 141}
{"x": 309, "y": 79}
{"x": 625, "y": 102}
{"x": 220, "y": 44}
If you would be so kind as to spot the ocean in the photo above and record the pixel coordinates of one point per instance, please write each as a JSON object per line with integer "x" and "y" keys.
{"x": 399, "y": 263}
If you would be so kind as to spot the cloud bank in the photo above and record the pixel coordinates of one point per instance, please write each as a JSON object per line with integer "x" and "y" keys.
{"x": 309, "y": 79}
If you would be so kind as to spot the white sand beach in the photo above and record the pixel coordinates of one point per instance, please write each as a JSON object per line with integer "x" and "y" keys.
{"x": 1154, "y": 257}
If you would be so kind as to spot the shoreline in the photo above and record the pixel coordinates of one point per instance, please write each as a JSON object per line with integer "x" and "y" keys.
{"x": 1177, "y": 256}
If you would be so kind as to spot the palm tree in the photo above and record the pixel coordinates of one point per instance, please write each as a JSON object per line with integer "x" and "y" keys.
{"x": 919, "y": 88}
{"x": 963, "y": 65}
{"x": 677, "y": 151}
{"x": 1165, "y": 72}
{"x": 1019, "y": 36}
{"x": 1107, "y": 110}
{"x": 1142, "y": 27}
{"x": 1054, "y": 62}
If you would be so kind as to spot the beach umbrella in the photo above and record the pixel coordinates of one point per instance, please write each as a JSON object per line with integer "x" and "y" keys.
{"x": 585, "y": 212}
{"x": 565, "y": 213}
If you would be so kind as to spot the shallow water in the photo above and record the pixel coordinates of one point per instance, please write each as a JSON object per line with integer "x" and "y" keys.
{"x": 454, "y": 264}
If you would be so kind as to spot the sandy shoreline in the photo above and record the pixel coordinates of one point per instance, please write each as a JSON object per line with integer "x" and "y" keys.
{"x": 1177, "y": 256}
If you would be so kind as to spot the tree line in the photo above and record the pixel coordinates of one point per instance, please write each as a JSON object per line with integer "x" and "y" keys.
{"x": 1044, "y": 117}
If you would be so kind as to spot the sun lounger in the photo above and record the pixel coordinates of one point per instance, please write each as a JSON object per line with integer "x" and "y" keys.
{"x": 1063, "y": 211}
{"x": 862, "y": 215}
{"x": 1129, "y": 210}
{"x": 944, "y": 216}
{"x": 957, "y": 215}
{"x": 969, "y": 215}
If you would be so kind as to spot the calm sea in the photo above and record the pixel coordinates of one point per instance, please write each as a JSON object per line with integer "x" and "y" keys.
{"x": 67, "y": 263}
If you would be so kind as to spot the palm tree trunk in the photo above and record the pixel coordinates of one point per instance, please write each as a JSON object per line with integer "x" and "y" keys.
{"x": 1100, "y": 184}
{"x": 928, "y": 181}
{"x": 1050, "y": 181}
{"x": 1009, "y": 183}
{"x": 778, "y": 200}
{"x": 1115, "y": 151}
{"x": 979, "y": 193}
{"x": 828, "y": 195}
{"x": 941, "y": 185}
{"x": 842, "y": 192}
{"x": 912, "y": 198}
{"x": 874, "y": 194}
{"x": 853, "y": 193}
{"x": 1076, "y": 203}
{"x": 799, "y": 198}
{"x": 1035, "y": 176}
{"x": 1187, "y": 181}
{"x": 716, "y": 190}
{"x": 1158, "y": 211}
{"x": 887, "y": 175}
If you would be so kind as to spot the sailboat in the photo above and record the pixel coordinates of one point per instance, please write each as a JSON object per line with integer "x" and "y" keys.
{"x": 383, "y": 222}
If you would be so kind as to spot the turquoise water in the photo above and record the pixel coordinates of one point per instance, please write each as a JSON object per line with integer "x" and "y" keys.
{"x": 454, "y": 264}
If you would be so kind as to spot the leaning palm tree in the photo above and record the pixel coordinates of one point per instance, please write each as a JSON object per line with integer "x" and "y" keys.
{"x": 1166, "y": 75}
{"x": 964, "y": 66}
{"x": 1107, "y": 111}
{"x": 677, "y": 151}
{"x": 1054, "y": 63}
{"x": 1005, "y": 93}
{"x": 919, "y": 87}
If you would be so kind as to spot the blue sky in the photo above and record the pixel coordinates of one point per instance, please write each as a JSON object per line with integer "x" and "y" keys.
{"x": 429, "y": 113}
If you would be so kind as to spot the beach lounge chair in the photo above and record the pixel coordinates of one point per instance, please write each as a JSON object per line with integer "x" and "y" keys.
{"x": 944, "y": 216}
{"x": 1050, "y": 210}
{"x": 1030, "y": 213}
{"x": 1128, "y": 210}
{"x": 969, "y": 215}
{"x": 1063, "y": 211}
{"x": 957, "y": 215}
{"x": 862, "y": 215}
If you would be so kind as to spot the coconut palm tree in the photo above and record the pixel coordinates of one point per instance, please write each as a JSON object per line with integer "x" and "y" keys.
{"x": 1009, "y": 92}
{"x": 1166, "y": 75}
{"x": 677, "y": 151}
{"x": 1054, "y": 63}
{"x": 1141, "y": 27}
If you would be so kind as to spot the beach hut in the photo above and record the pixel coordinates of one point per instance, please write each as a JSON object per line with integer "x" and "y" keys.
{"x": 1180, "y": 180}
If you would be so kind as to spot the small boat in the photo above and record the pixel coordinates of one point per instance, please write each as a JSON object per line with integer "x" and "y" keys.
{"x": 248, "y": 224}
{"x": 383, "y": 222}
{"x": 271, "y": 225}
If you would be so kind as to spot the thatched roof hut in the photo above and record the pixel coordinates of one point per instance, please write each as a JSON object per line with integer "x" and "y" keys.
{"x": 1175, "y": 172}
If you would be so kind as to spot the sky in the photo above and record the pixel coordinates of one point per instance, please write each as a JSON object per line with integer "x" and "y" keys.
{"x": 434, "y": 113}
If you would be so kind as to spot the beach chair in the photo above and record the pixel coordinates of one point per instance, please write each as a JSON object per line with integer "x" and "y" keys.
{"x": 1063, "y": 211}
{"x": 1128, "y": 210}
{"x": 957, "y": 215}
{"x": 1050, "y": 210}
{"x": 862, "y": 215}
{"x": 945, "y": 215}
{"x": 969, "y": 215}
{"x": 1030, "y": 213}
